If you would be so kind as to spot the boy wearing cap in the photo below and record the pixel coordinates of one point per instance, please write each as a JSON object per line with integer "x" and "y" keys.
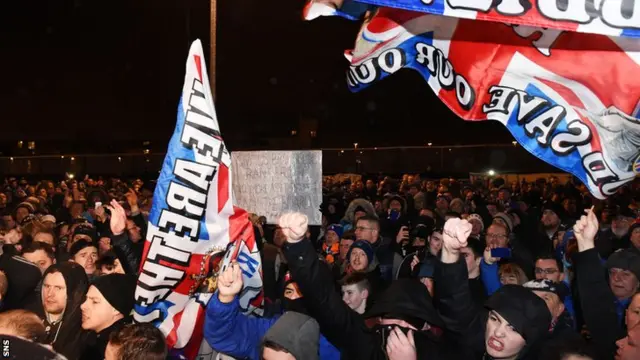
{"x": 108, "y": 303}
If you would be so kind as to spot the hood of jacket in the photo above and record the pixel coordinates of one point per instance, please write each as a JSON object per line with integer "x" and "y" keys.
{"x": 406, "y": 298}
{"x": 349, "y": 215}
{"x": 71, "y": 338}
{"x": 299, "y": 334}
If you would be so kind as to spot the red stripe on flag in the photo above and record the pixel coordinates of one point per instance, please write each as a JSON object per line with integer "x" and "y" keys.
{"x": 223, "y": 186}
{"x": 481, "y": 52}
{"x": 573, "y": 100}
{"x": 198, "y": 61}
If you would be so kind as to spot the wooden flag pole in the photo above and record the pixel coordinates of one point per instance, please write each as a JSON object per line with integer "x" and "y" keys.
{"x": 212, "y": 46}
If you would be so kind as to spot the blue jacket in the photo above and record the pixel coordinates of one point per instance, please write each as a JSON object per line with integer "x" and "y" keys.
{"x": 229, "y": 331}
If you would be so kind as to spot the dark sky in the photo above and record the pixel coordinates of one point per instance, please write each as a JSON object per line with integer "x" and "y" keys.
{"x": 106, "y": 75}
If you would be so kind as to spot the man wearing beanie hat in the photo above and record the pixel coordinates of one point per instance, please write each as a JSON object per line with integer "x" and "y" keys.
{"x": 109, "y": 302}
{"x": 505, "y": 219}
{"x": 360, "y": 256}
{"x": 510, "y": 307}
{"x": 293, "y": 337}
{"x": 23, "y": 210}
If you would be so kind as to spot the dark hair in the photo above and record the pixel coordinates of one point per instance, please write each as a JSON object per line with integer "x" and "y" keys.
{"x": 139, "y": 342}
{"x": 476, "y": 246}
{"x": 23, "y": 323}
{"x": 349, "y": 235}
{"x": 371, "y": 220}
{"x": 548, "y": 256}
{"x": 107, "y": 259}
{"x": 38, "y": 245}
{"x": 359, "y": 279}
{"x": 273, "y": 346}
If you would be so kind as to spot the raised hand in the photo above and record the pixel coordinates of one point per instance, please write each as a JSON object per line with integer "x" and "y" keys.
{"x": 230, "y": 283}
{"x": 487, "y": 255}
{"x": 455, "y": 235}
{"x": 132, "y": 199}
{"x": 118, "y": 218}
{"x": 294, "y": 226}
{"x": 585, "y": 230}
{"x": 403, "y": 235}
{"x": 401, "y": 346}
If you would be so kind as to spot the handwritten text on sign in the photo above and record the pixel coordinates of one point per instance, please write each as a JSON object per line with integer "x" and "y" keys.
{"x": 272, "y": 182}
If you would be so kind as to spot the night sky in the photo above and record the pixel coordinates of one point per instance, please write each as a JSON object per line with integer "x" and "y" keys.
{"x": 103, "y": 76}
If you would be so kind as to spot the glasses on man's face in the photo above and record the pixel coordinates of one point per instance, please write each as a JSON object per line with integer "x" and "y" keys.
{"x": 549, "y": 271}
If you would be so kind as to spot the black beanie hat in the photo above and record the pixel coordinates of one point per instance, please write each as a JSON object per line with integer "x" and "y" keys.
{"x": 85, "y": 230}
{"x": 119, "y": 290}
{"x": 524, "y": 310}
{"x": 80, "y": 245}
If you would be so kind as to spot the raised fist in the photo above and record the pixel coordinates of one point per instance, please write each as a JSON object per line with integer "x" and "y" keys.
{"x": 230, "y": 283}
{"x": 585, "y": 230}
{"x": 455, "y": 234}
{"x": 294, "y": 226}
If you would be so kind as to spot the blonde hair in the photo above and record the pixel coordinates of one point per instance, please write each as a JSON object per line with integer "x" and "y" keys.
{"x": 514, "y": 270}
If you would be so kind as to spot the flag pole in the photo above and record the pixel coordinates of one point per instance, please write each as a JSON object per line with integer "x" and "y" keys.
{"x": 213, "y": 44}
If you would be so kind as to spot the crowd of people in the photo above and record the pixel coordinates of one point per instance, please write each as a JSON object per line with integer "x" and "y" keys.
{"x": 411, "y": 269}
{"x": 400, "y": 269}
{"x": 68, "y": 271}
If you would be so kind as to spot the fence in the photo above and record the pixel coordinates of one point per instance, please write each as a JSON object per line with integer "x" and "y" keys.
{"x": 392, "y": 160}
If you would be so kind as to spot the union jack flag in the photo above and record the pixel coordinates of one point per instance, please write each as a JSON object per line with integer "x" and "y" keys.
{"x": 568, "y": 97}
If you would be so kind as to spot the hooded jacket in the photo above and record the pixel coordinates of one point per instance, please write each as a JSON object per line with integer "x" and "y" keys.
{"x": 349, "y": 216}
{"x": 524, "y": 310}
{"x": 345, "y": 328}
{"x": 297, "y": 333}
{"x": 69, "y": 339}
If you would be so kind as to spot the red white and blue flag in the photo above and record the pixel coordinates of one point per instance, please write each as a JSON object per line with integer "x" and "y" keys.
{"x": 194, "y": 229}
{"x": 568, "y": 97}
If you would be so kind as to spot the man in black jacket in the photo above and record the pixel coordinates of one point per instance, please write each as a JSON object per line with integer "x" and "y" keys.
{"x": 408, "y": 318}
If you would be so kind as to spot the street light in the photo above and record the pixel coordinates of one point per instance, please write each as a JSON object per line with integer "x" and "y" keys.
{"x": 491, "y": 173}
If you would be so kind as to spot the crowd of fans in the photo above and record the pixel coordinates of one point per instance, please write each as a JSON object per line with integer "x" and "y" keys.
{"x": 400, "y": 269}
{"x": 68, "y": 270}
{"x": 411, "y": 269}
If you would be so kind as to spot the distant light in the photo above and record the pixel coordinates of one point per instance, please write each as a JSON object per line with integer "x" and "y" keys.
{"x": 313, "y": 133}
{"x": 375, "y": 148}
{"x": 71, "y": 175}
{"x": 20, "y": 143}
{"x": 11, "y": 159}
{"x": 429, "y": 144}
{"x": 361, "y": 152}
{"x": 514, "y": 143}
{"x": 148, "y": 160}
{"x": 449, "y": 149}
{"x": 294, "y": 132}
{"x": 146, "y": 151}
{"x": 72, "y": 158}
{"x": 146, "y": 143}
{"x": 119, "y": 159}
{"x": 491, "y": 173}
{"x": 62, "y": 157}
{"x": 341, "y": 151}
{"x": 355, "y": 145}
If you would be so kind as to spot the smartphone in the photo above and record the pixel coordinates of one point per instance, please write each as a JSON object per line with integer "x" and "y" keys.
{"x": 98, "y": 204}
{"x": 504, "y": 253}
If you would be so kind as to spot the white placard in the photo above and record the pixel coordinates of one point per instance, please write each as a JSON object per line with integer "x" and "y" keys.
{"x": 270, "y": 183}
